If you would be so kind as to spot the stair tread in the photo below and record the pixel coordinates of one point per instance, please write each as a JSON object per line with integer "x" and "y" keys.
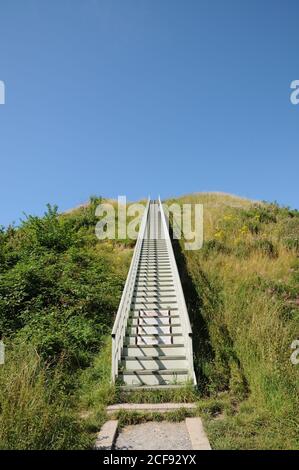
{"x": 169, "y": 325}
{"x": 179, "y": 345}
{"x": 149, "y": 358}
{"x": 135, "y": 317}
{"x": 151, "y": 387}
{"x": 154, "y": 372}
{"x": 161, "y": 335}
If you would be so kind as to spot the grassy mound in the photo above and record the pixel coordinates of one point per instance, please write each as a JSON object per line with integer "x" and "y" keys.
{"x": 244, "y": 305}
{"x": 59, "y": 291}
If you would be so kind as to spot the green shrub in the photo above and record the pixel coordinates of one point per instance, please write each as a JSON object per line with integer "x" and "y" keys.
{"x": 264, "y": 214}
{"x": 213, "y": 247}
{"x": 59, "y": 291}
{"x": 266, "y": 247}
{"x": 292, "y": 244}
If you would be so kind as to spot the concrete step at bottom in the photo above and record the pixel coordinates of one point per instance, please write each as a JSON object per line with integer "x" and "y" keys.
{"x": 130, "y": 388}
{"x": 153, "y": 377}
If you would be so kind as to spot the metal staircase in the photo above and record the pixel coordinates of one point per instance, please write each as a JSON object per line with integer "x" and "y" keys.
{"x": 152, "y": 337}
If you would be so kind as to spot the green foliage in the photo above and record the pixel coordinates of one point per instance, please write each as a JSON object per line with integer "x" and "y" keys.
{"x": 248, "y": 303}
{"x": 59, "y": 291}
{"x": 35, "y": 412}
{"x": 292, "y": 244}
{"x": 266, "y": 247}
{"x": 213, "y": 247}
{"x": 261, "y": 213}
{"x": 49, "y": 232}
{"x": 129, "y": 418}
{"x": 184, "y": 394}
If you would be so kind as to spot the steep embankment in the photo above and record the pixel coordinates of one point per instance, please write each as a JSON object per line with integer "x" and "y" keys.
{"x": 59, "y": 291}
{"x": 243, "y": 295}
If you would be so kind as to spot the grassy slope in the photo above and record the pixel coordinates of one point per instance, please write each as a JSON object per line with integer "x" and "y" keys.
{"x": 59, "y": 291}
{"x": 246, "y": 284}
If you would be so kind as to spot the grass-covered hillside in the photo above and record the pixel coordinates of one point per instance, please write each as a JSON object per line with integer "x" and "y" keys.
{"x": 242, "y": 290}
{"x": 59, "y": 291}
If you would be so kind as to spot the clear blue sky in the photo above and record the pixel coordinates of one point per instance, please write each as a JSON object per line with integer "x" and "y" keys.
{"x": 135, "y": 97}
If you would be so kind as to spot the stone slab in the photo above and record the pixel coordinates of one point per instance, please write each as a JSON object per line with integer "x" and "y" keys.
{"x": 107, "y": 435}
{"x": 197, "y": 434}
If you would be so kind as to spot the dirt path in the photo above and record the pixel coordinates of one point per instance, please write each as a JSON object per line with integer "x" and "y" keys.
{"x": 154, "y": 436}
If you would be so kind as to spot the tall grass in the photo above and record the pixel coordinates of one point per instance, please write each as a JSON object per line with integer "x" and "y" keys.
{"x": 247, "y": 281}
{"x": 34, "y": 411}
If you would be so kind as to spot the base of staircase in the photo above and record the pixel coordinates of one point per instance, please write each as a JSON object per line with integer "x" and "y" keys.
{"x": 150, "y": 407}
{"x": 136, "y": 388}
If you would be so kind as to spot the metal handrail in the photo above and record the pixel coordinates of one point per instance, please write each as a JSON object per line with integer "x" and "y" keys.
{"x": 120, "y": 324}
{"x": 186, "y": 326}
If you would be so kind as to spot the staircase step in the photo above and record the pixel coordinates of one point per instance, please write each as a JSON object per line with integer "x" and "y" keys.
{"x": 160, "y": 285}
{"x": 153, "y": 305}
{"x": 154, "y": 330}
{"x": 149, "y": 350}
{"x": 147, "y": 297}
{"x": 154, "y": 255}
{"x": 130, "y": 388}
{"x": 154, "y": 249}
{"x": 157, "y": 256}
{"x": 154, "y": 290}
{"x": 154, "y": 294}
{"x": 153, "y": 363}
{"x": 155, "y": 275}
{"x": 154, "y": 262}
{"x": 157, "y": 320}
{"x": 160, "y": 320}
{"x": 154, "y": 312}
{"x": 154, "y": 272}
{"x": 155, "y": 280}
{"x": 167, "y": 377}
{"x": 146, "y": 321}
{"x": 152, "y": 267}
{"x": 155, "y": 340}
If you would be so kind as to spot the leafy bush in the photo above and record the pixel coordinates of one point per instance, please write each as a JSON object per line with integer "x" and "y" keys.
{"x": 59, "y": 291}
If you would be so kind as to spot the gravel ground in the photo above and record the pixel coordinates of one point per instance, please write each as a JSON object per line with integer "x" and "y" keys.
{"x": 154, "y": 436}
